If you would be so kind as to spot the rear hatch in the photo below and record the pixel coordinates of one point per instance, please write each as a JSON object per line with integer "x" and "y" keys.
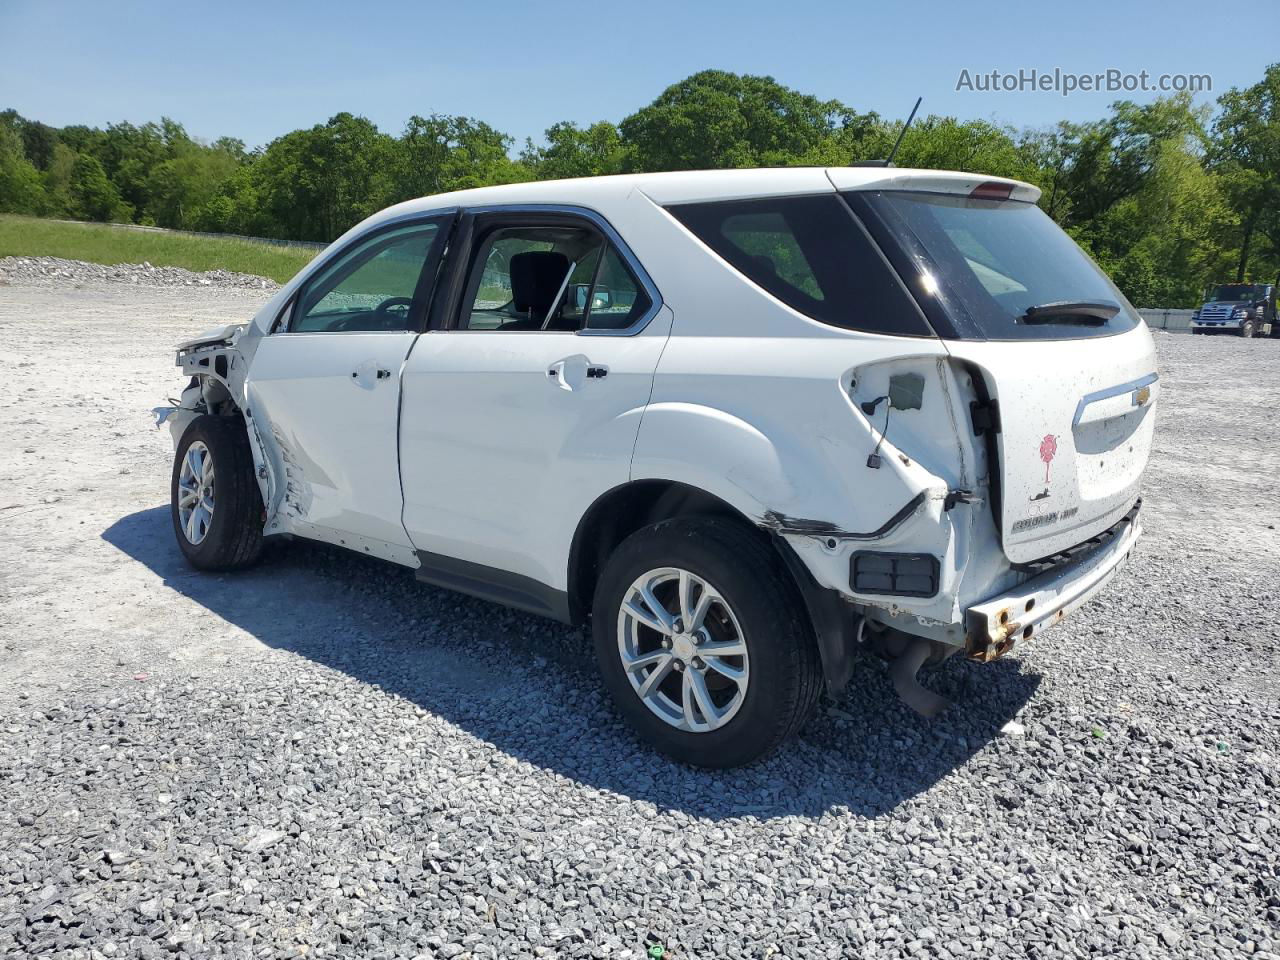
{"x": 1075, "y": 421}
{"x": 1067, "y": 362}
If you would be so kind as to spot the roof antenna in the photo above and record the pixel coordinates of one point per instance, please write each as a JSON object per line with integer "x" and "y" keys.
{"x": 894, "y": 152}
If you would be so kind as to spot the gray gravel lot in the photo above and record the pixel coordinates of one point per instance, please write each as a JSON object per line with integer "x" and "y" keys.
{"x": 323, "y": 756}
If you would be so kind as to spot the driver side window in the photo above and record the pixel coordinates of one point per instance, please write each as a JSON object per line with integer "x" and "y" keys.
{"x": 369, "y": 288}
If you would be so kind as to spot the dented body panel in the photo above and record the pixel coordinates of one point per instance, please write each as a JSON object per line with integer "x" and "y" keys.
{"x": 329, "y": 426}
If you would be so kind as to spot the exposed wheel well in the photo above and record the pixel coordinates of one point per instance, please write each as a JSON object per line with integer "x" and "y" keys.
{"x": 621, "y": 512}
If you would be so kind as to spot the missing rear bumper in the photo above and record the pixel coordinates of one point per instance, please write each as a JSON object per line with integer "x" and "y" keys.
{"x": 994, "y": 626}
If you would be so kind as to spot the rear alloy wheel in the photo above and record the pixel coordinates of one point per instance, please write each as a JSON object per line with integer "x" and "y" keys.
{"x": 1248, "y": 328}
{"x": 216, "y": 506}
{"x": 703, "y": 642}
{"x": 682, "y": 649}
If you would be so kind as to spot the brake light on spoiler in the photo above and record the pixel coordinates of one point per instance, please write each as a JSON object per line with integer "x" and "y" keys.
{"x": 992, "y": 190}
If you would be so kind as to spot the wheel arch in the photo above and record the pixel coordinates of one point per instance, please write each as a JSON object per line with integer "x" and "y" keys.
{"x": 214, "y": 389}
{"x": 620, "y": 512}
{"x": 626, "y": 508}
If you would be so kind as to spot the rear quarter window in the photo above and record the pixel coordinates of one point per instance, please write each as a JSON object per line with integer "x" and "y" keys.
{"x": 813, "y": 255}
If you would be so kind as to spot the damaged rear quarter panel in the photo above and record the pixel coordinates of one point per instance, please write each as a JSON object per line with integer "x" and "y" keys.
{"x": 792, "y": 453}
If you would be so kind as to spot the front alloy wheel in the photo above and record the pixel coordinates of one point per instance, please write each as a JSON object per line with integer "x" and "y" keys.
{"x": 195, "y": 493}
{"x": 216, "y": 506}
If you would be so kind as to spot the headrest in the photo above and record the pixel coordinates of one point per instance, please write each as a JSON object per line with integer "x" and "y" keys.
{"x": 536, "y": 276}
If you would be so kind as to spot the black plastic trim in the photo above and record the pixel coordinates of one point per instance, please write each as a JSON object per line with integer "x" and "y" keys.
{"x": 490, "y": 583}
{"x": 797, "y": 526}
{"x": 990, "y": 433}
{"x": 931, "y": 569}
{"x": 834, "y": 621}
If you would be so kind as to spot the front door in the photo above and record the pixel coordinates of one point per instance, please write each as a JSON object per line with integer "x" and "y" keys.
{"x": 325, "y": 391}
{"x": 526, "y": 406}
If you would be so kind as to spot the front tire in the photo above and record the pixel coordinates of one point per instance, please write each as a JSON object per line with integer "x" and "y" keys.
{"x": 1248, "y": 329}
{"x": 703, "y": 642}
{"x": 215, "y": 504}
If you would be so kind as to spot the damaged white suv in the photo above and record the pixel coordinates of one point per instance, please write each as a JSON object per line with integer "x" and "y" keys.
{"x": 741, "y": 422}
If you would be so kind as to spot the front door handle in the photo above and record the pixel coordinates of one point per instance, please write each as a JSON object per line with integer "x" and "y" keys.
{"x": 597, "y": 373}
{"x": 368, "y": 373}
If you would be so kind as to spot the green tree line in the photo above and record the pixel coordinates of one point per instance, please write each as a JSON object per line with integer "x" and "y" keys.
{"x": 1166, "y": 196}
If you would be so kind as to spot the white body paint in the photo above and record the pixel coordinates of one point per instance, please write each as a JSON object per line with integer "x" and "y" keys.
{"x": 490, "y": 447}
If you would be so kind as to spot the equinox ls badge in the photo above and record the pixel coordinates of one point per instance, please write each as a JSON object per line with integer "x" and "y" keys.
{"x": 1043, "y": 519}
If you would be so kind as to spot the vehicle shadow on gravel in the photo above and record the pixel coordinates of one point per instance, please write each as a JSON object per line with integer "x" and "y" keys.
{"x": 528, "y": 686}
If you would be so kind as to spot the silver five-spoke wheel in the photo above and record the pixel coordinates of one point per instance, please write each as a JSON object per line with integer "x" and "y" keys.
{"x": 683, "y": 650}
{"x": 195, "y": 492}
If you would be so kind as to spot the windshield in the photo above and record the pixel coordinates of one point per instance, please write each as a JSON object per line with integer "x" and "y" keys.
{"x": 1228, "y": 292}
{"x": 1000, "y": 267}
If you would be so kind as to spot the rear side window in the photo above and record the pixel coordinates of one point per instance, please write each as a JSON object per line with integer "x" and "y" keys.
{"x": 1003, "y": 268}
{"x": 551, "y": 278}
{"x": 616, "y": 297}
{"x": 811, "y": 254}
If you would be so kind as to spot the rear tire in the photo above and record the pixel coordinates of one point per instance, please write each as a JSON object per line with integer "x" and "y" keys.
{"x": 754, "y": 699}
{"x": 215, "y": 504}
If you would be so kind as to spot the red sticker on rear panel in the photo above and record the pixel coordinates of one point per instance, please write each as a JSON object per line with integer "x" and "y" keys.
{"x": 1048, "y": 450}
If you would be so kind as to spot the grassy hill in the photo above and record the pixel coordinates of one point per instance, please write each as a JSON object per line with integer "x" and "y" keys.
{"x": 103, "y": 243}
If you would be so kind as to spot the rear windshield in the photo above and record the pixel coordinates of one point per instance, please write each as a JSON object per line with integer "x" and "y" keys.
{"x": 1003, "y": 268}
{"x": 810, "y": 253}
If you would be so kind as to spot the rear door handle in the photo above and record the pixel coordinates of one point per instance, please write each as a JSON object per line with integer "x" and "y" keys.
{"x": 572, "y": 372}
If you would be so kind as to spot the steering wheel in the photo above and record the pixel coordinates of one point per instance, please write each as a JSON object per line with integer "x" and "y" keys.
{"x": 384, "y": 314}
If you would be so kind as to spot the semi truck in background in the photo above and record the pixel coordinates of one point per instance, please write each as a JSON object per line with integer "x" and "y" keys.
{"x": 1246, "y": 309}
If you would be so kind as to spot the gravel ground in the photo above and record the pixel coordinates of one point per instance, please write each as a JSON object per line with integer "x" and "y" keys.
{"x": 323, "y": 756}
{"x": 57, "y": 272}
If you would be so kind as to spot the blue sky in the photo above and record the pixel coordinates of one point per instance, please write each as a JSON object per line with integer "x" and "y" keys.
{"x": 258, "y": 70}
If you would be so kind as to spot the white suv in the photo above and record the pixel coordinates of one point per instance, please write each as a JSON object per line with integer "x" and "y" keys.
{"x": 741, "y": 422}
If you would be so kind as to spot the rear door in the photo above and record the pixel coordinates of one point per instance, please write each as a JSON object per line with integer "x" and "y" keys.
{"x": 324, "y": 389}
{"x": 523, "y": 405}
{"x": 1067, "y": 361}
